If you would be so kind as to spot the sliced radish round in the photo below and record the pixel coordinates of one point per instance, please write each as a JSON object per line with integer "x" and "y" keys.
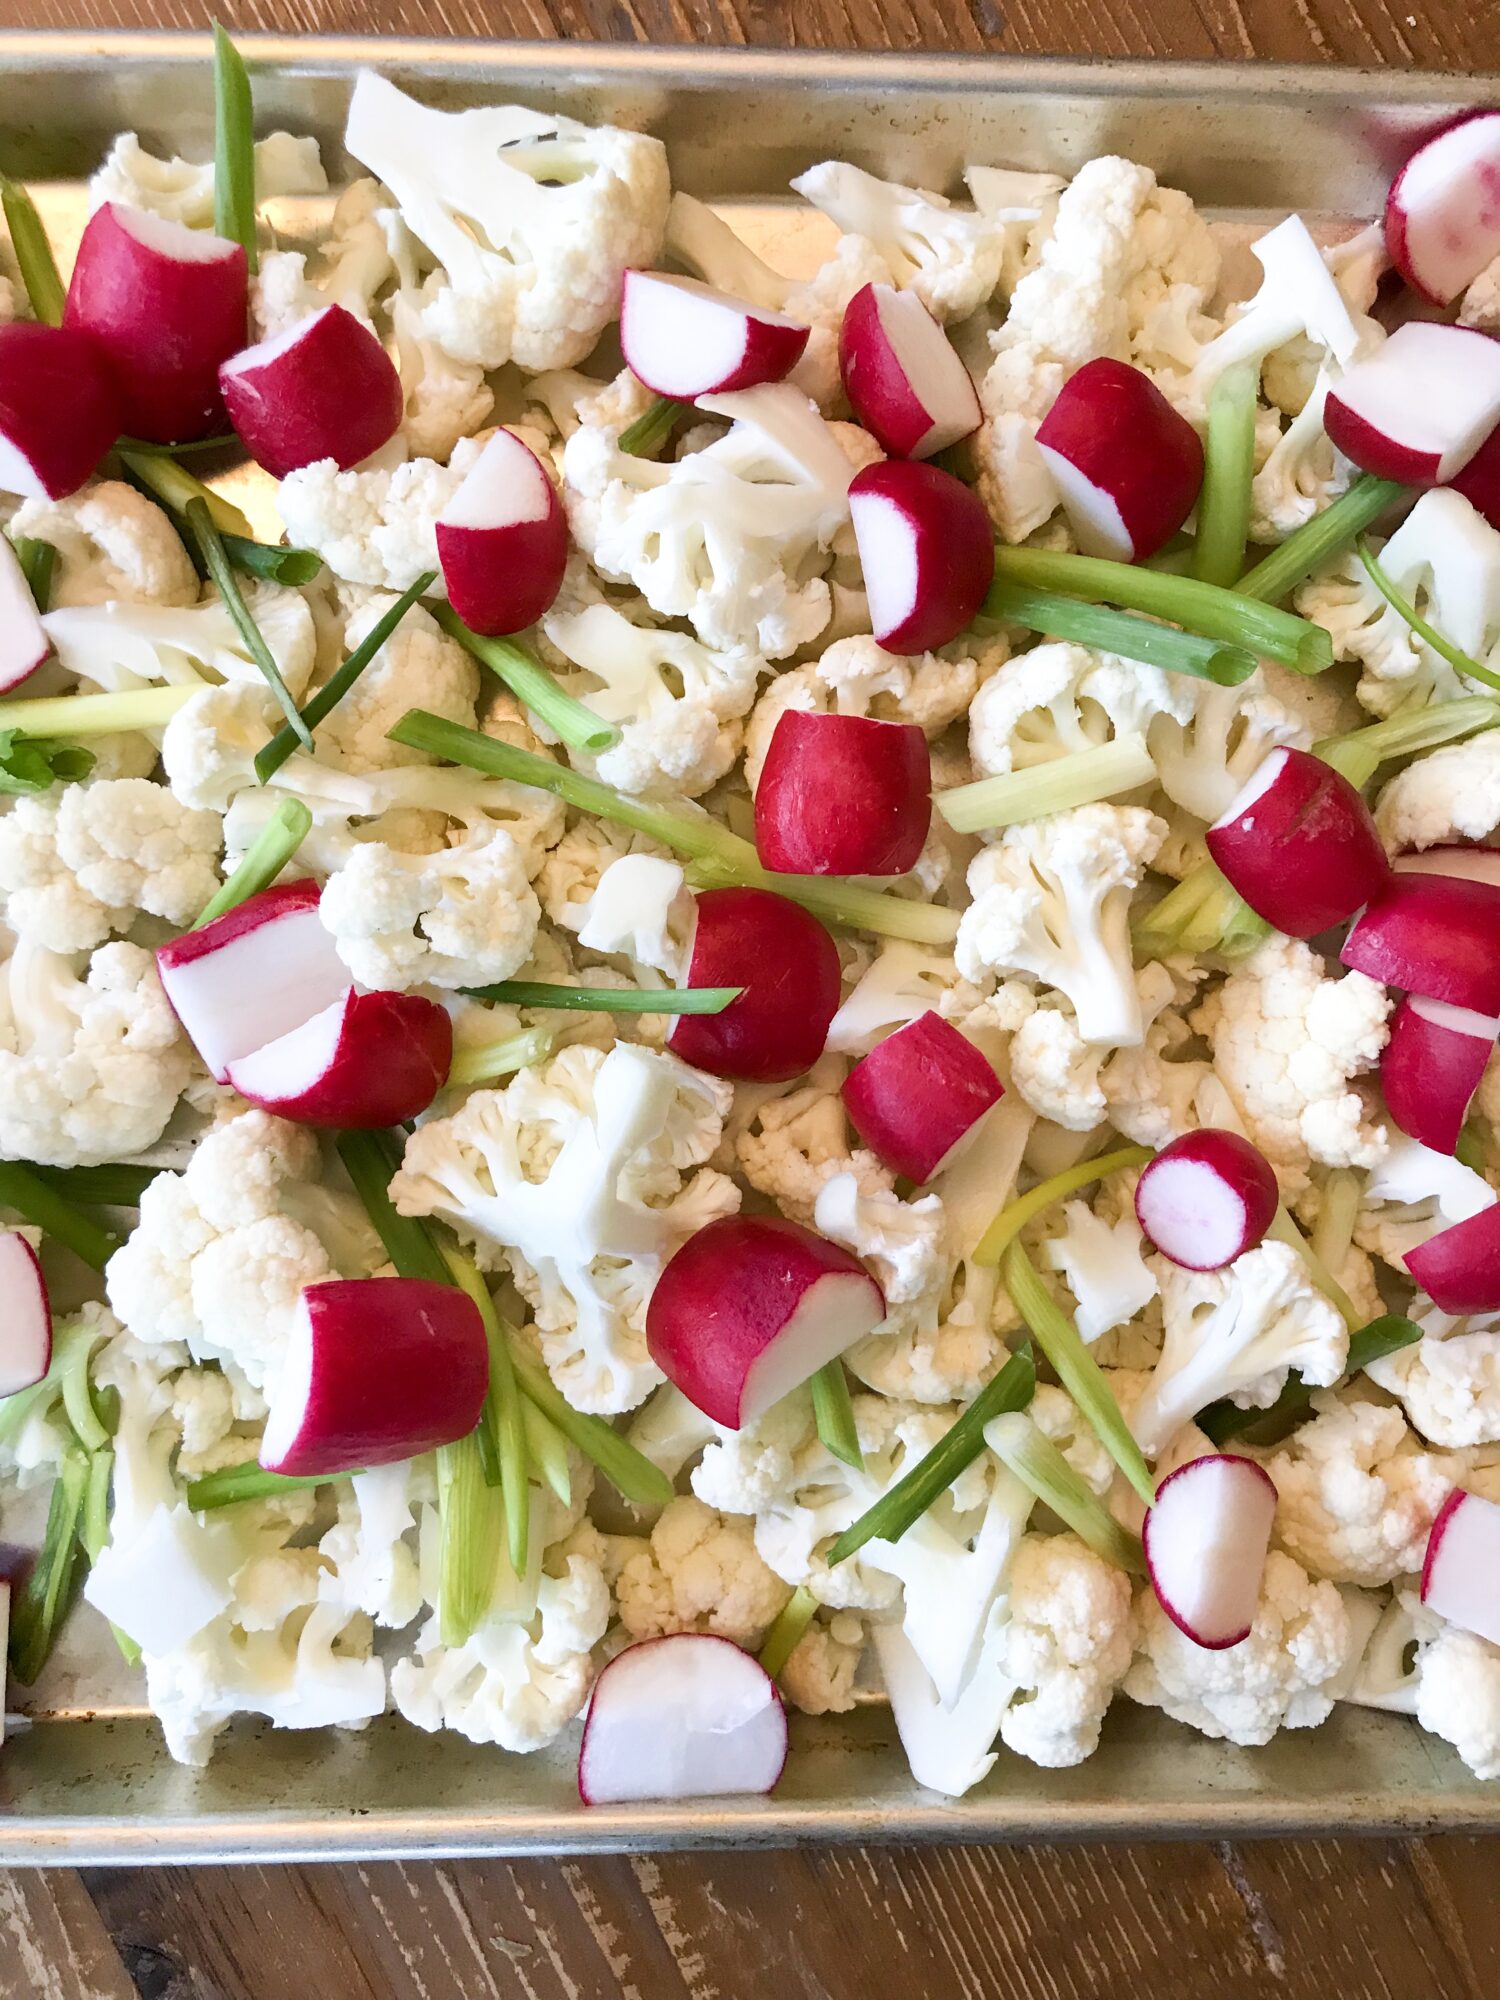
{"x": 1479, "y": 482}
{"x": 25, "y": 1316}
{"x": 690, "y": 1716}
{"x": 683, "y": 339}
{"x": 59, "y": 413}
{"x": 750, "y": 1308}
{"x": 375, "y": 1370}
{"x": 917, "y": 1098}
{"x": 789, "y": 967}
{"x": 843, "y": 795}
{"x": 503, "y": 540}
{"x": 324, "y": 389}
{"x": 1458, "y": 860}
{"x": 1206, "y": 1199}
{"x": 1127, "y": 466}
{"x": 1431, "y": 1067}
{"x": 252, "y": 975}
{"x": 1442, "y": 215}
{"x": 1437, "y": 935}
{"x": 369, "y": 1060}
{"x": 903, "y": 375}
{"x": 1459, "y": 1268}
{"x": 927, "y": 551}
{"x": 1299, "y": 844}
{"x": 1461, "y": 1570}
{"x": 24, "y": 645}
{"x": 1205, "y": 1542}
{"x": 1421, "y": 406}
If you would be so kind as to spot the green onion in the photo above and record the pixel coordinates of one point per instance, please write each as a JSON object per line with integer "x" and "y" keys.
{"x": 47, "y": 1592}
{"x": 834, "y": 900}
{"x": 469, "y": 1535}
{"x": 608, "y": 999}
{"x": 1425, "y": 631}
{"x": 34, "y": 258}
{"x": 93, "y": 1528}
{"x": 1059, "y": 616}
{"x": 1203, "y": 608}
{"x": 532, "y": 685}
{"x": 646, "y": 436}
{"x": 292, "y": 567}
{"x": 235, "y": 1483}
{"x": 263, "y": 860}
{"x": 1053, "y": 787}
{"x": 1222, "y": 1422}
{"x": 1338, "y": 1212}
{"x": 190, "y": 448}
{"x": 234, "y": 148}
{"x": 549, "y": 1452}
{"x": 1228, "y": 471}
{"x": 1359, "y": 753}
{"x": 627, "y": 1470}
{"x": 78, "y": 1403}
{"x": 44, "y": 1208}
{"x": 1014, "y": 1217}
{"x": 370, "y": 1158}
{"x": 74, "y": 715}
{"x": 67, "y": 1341}
{"x": 211, "y": 548}
{"x": 177, "y": 489}
{"x": 1469, "y": 1151}
{"x": 30, "y": 765}
{"x": 787, "y": 1633}
{"x": 109, "y": 1187}
{"x": 488, "y": 1060}
{"x": 1201, "y": 914}
{"x": 834, "y": 1411}
{"x": 505, "y": 1413}
{"x": 1075, "y": 1367}
{"x": 1284, "y": 1230}
{"x": 1325, "y": 535}
{"x": 908, "y": 1500}
{"x": 1037, "y": 1463}
{"x": 38, "y": 560}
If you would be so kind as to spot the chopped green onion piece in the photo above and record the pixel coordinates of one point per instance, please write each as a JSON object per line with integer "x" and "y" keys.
{"x": 626, "y": 1469}
{"x": 44, "y": 1598}
{"x": 75, "y": 715}
{"x": 908, "y": 1500}
{"x": 292, "y": 567}
{"x": 646, "y": 436}
{"x": 1223, "y": 1422}
{"x": 1333, "y": 1232}
{"x": 40, "y": 1397}
{"x": 1060, "y": 616}
{"x": 1075, "y": 1367}
{"x": 486, "y": 1061}
{"x": 93, "y": 1528}
{"x": 834, "y": 1410}
{"x": 608, "y": 999}
{"x": 370, "y": 1158}
{"x": 1469, "y": 1151}
{"x": 532, "y": 685}
{"x": 263, "y": 860}
{"x": 1228, "y": 470}
{"x": 1284, "y": 1230}
{"x": 46, "y": 1209}
{"x": 1053, "y": 787}
{"x": 1279, "y": 573}
{"x": 177, "y": 489}
{"x": 1037, "y": 1463}
{"x": 1428, "y": 633}
{"x": 1014, "y": 1217}
{"x": 234, "y": 149}
{"x": 34, "y": 258}
{"x": 549, "y": 1452}
{"x": 78, "y": 1403}
{"x": 1201, "y": 914}
{"x": 234, "y": 1483}
{"x": 117, "y": 1186}
{"x": 505, "y": 1413}
{"x": 32, "y": 764}
{"x": 38, "y": 560}
{"x": 211, "y": 548}
{"x": 834, "y": 900}
{"x": 469, "y": 1534}
{"x": 189, "y": 448}
{"x": 1359, "y": 753}
{"x": 787, "y": 1634}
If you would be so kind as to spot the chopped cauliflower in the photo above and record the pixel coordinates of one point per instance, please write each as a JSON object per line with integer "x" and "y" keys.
{"x": 1068, "y": 1641}
{"x": 113, "y": 544}
{"x": 419, "y": 666}
{"x": 375, "y": 526}
{"x": 1057, "y": 699}
{"x": 183, "y": 190}
{"x": 1452, "y": 794}
{"x": 463, "y": 916}
{"x": 699, "y": 1573}
{"x": 950, "y": 257}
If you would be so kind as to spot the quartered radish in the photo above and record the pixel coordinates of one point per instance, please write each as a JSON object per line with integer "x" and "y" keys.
{"x": 1442, "y": 215}
{"x": 1459, "y": 1268}
{"x": 324, "y": 389}
{"x": 25, "y": 1316}
{"x": 1461, "y": 1570}
{"x": 683, "y": 339}
{"x": 1127, "y": 466}
{"x": 843, "y": 795}
{"x": 789, "y": 967}
{"x": 927, "y": 550}
{"x": 59, "y": 413}
{"x": 1431, "y": 1066}
{"x": 24, "y": 644}
{"x": 375, "y": 1370}
{"x": 1435, "y": 935}
{"x": 253, "y": 975}
{"x": 690, "y": 1716}
{"x": 750, "y": 1308}
{"x": 1421, "y": 406}
{"x": 1206, "y": 1199}
{"x": 1479, "y": 482}
{"x": 1299, "y": 844}
{"x": 1205, "y": 1543}
{"x": 903, "y": 375}
{"x": 503, "y": 540}
{"x": 917, "y": 1098}
{"x": 367, "y": 1061}
{"x": 1457, "y": 859}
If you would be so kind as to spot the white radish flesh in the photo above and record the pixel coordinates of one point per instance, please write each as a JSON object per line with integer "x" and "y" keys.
{"x": 1205, "y": 1542}
{"x": 1127, "y": 466}
{"x": 503, "y": 540}
{"x": 24, "y": 645}
{"x": 683, "y": 339}
{"x": 1421, "y": 406}
{"x": 59, "y": 413}
{"x": 1459, "y": 1268}
{"x": 25, "y": 1316}
{"x": 1432, "y": 934}
{"x": 1206, "y": 1199}
{"x": 927, "y": 550}
{"x": 788, "y": 966}
{"x": 1442, "y": 216}
{"x": 843, "y": 795}
{"x": 1461, "y": 1570}
{"x": 917, "y": 1098}
{"x": 1431, "y": 1066}
{"x": 324, "y": 389}
{"x": 1300, "y": 845}
{"x": 368, "y": 1061}
{"x": 903, "y": 376}
{"x": 686, "y": 1717}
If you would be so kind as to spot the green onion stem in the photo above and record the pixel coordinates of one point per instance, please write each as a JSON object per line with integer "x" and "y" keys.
{"x": 40, "y": 1397}
{"x": 292, "y": 567}
{"x": 505, "y": 1413}
{"x": 1284, "y": 1230}
{"x": 1228, "y": 473}
{"x": 788, "y": 1631}
{"x": 1279, "y": 573}
{"x": 469, "y": 1532}
{"x": 1359, "y": 753}
{"x": 38, "y": 560}
{"x": 1428, "y": 633}
{"x": 93, "y": 1527}
{"x": 45, "y": 1595}
{"x": 1014, "y": 1217}
{"x": 1202, "y": 913}
{"x": 50, "y": 1211}
{"x": 250, "y": 1481}
{"x": 549, "y": 1452}
{"x": 177, "y": 489}
{"x": 116, "y": 1186}
{"x": 486, "y": 1061}
{"x": 75, "y": 715}
{"x": 234, "y": 148}
{"x": 211, "y": 547}
{"x": 646, "y": 436}
{"x": 263, "y": 860}
{"x": 1224, "y": 1422}
{"x": 1123, "y": 765}
{"x": 833, "y": 1408}
{"x": 626, "y": 1469}
{"x": 532, "y": 685}
{"x": 608, "y": 999}
{"x": 370, "y": 1158}
{"x": 34, "y": 258}
{"x": 1036, "y": 1462}
{"x": 1333, "y": 1232}
{"x": 77, "y": 1401}
{"x": 189, "y": 448}
{"x": 1059, "y": 616}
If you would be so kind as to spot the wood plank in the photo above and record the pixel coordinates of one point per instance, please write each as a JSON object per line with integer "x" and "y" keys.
{"x": 54, "y": 1945}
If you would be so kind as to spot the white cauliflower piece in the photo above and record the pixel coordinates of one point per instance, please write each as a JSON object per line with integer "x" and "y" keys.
{"x": 1453, "y": 794}
{"x": 791, "y": 1144}
{"x": 1077, "y": 1085}
{"x": 1480, "y": 305}
{"x": 351, "y": 266}
{"x": 419, "y": 666}
{"x": 463, "y": 916}
{"x": 819, "y": 1677}
{"x": 183, "y": 190}
{"x": 1067, "y": 1645}
{"x": 640, "y": 910}
{"x": 700, "y": 1572}
{"x": 950, "y": 257}
{"x": 376, "y": 527}
{"x": 120, "y": 646}
{"x": 1057, "y": 699}
{"x": 113, "y": 544}
{"x": 902, "y": 1241}
{"x": 1102, "y": 1263}
{"x": 1204, "y": 760}
{"x": 443, "y": 400}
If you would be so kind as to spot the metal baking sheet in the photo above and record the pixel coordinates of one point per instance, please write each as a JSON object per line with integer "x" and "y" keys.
{"x": 85, "y": 1778}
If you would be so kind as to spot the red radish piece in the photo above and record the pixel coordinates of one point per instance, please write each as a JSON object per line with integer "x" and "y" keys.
{"x": 1479, "y": 482}
{"x": 252, "y": 975}
{"x": 376, "y": 1370}
{"x": 789, "y": 968}
{"x": 917, "y": 1098}
{"x": 25, "y": 1316}
{"x": 903, "y": 375}
{"x": 1206, "y": 1199}
{"x": 1432, "y": 934}
{"x": 1431, "y": 1067}
{"x": 1461, "y": 1569}
{"x": 927, "y": 550}
{"x": 1459, "y": 1268}
{"x": 843, "y": 795}
{"x": 683, "y": 339}
{"x": 1442, "y": 215}
{"x": 166, "y": 306}
{"x": 59, "y": 413}
{"x": 750, "y": 1308}
{"x": 369, "y": 1060}
{"x": 690, "y": 1716}
{"x": 324, "y": 389}
{"x": 1205, "y": 1543}
{"x": 1457, "y": 860}
{"x": 1126, "y": 465}
{"x": 503, "y": 540}
{"x": 1419, "y": 409}
{"x": 24, "y": 644}
{"x": 1299, "y": 844}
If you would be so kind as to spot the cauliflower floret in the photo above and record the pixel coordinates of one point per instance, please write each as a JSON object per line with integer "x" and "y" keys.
{"x": 417, "y": 667}
{"x": 1452, "y": 794}
{"x": 463, "y": 916}
{"x": 1078, "y": 1085}
{"x": 376, "y": 527}
{"x": 1102, "y": 1263}
{"x": 1057, "y": 699}
{"x": 120, "y": 646}
{"x": 370, "y": 1547}
{"x": 819, "y": 1677}
{"x": 791, "y": 1145}
{"x": 444, "y": 400}
{"x": 950, "y": 257}
{"x": 1481, "y": 302}
{"x": 183, "y": 190}
{"x": 349, "y": 269}
{"x": 1067, "y": 1645}
{"x": 1205, "y": 760}
{"x": 1450, "y": 1387}
{"x": 113, "y": 545}
{"x": 901, "y": 1240}
{"x": 1457, "y": 1689}
{"x": 699, "y": 1573}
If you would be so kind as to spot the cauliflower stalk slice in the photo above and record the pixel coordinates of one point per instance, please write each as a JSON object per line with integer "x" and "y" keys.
{"x": 120, "y": 646}
{"x": 952, "y": 258}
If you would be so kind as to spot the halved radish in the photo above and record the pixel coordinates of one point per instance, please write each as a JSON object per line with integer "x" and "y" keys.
{"x": 166, "y": 306}
{"x": 1436, "y": 935}
{"x": 59, "y": 413}
{"x": 789, "y": 967}
{"x": 1479, "y": 482}
{"x": 369, "y": 1060}
{"x": 843, "y": 795}
{"x": 324, "y": 389}
{"x": 1421, "y": 406}
{"x": 1128, "y": 467}
{"x": 903, "y": 375}
{"x": 690, "y": 1716}
{"x": 1459, "y": 1268}
{"x": 252, "y": 975}
{"x": 1206, "y": 1199}
{"x": 1442, "y": 215}
{"x": 1458, "y": 859}
{"x": 927, "y": 551}
{"x": 375, "y": 1370}
{"x": 1461, "y": 1569}
{"x": 25, "y": 1316}
{"x": 683, "y": 339}
{"x": 750, "y": 1308}
{"x": 503, "y": 540}
{"x": 1205, "y": 1541}
{"x": 917, "y": 1098}
{"x": 1431, "y": 1067}
{"x": 24, "y": 644}
{"x": 1299, "y": 844}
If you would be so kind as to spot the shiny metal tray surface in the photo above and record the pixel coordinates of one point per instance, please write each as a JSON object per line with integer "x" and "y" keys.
{"x": 86, "y": 1779}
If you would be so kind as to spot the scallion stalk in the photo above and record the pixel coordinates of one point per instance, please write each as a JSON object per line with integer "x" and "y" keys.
{"x": 250, "y": 1481}
{"x": 487, "y": 1061}
{"x": 1061, "y": 783}
{"x": 73, "y": 715}
{"x": 505, "y": 1413}
{"x": 93, "y": 1526}
{"x": 177, "y": 489}
{"x": 1359, "y": 753}
{"x": 607, "y": 999}
{"x": 1014, "y": 1217}
{"x": 263, "y": 860}
{"x": 34, "y": 258}
{"x": 1284, "y": 1230}
{"x": 834, "y": 900}
{"x": 1277, "y": 575}
{"x": 370, "y": 1158}
{"x": 188, "y": 448}
{"x": 549, "y": 1452}
{"x": 46, "y": 1209}
{"x": 77, "y": 1398}
{"x": 211, "y": 548}
{"x": 44, "y": 1597}
{"x": 234, "y": 149}
{"x": 1058, "y": 616}
{"x": 627, "y": 1470}
{"x": 1202, "y": 913}
{"x": 40, "y": 1397}
{"x": 1407, "y": 612}
{"x": 788, "y": 1632}
{"x": 1228, "y": 473}
{"x": 116, "y": 1186}
{"x": 646, "y": 436}
{"x": 833, "y": 1409}
{"x": 1224, "y": 1422}
{"x": 532, "y": 685}
{"x": 469, "y": 1533}
{"x": 1036, "y": 1462}
{"x": 38, "y": 560}
{"x": 273, "y": 561}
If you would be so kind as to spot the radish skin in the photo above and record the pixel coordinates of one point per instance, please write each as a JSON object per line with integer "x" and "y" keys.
{"x": 843, "y": 795}
{"x": 59, "y": 413}
{"x": 25, "y": 1316}
{"x": 903, "y": 376}
{"x": 1299, "y": 844}
{"x": 1442, "y": 216}
{"x": 368, "y": 1061}
{"x": 683, "y": 1717}
{"x": 927, "y": 550}
{"x": 325, "y": 389}
{"x": 1434, "y": 935}
{"x": 1459, "y": 1268}
{"x": 789, "y": 967}
{"x": 916, "y": 1100}
{"x": 1205, "y": 1541}
{"x": 1127, "y": 466}
{"x": 1421, "y": 406}
{"x": 1206, "y": 1199}
{"x": 1461, "y": 1569}
{"x": 683, "y": 339}
{"x": 502, "y": 540}
{"x": 1433, "y": 1060}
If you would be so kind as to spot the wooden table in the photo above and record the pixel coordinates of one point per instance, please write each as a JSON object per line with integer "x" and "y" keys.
{"x": 1303, "y": 1920}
